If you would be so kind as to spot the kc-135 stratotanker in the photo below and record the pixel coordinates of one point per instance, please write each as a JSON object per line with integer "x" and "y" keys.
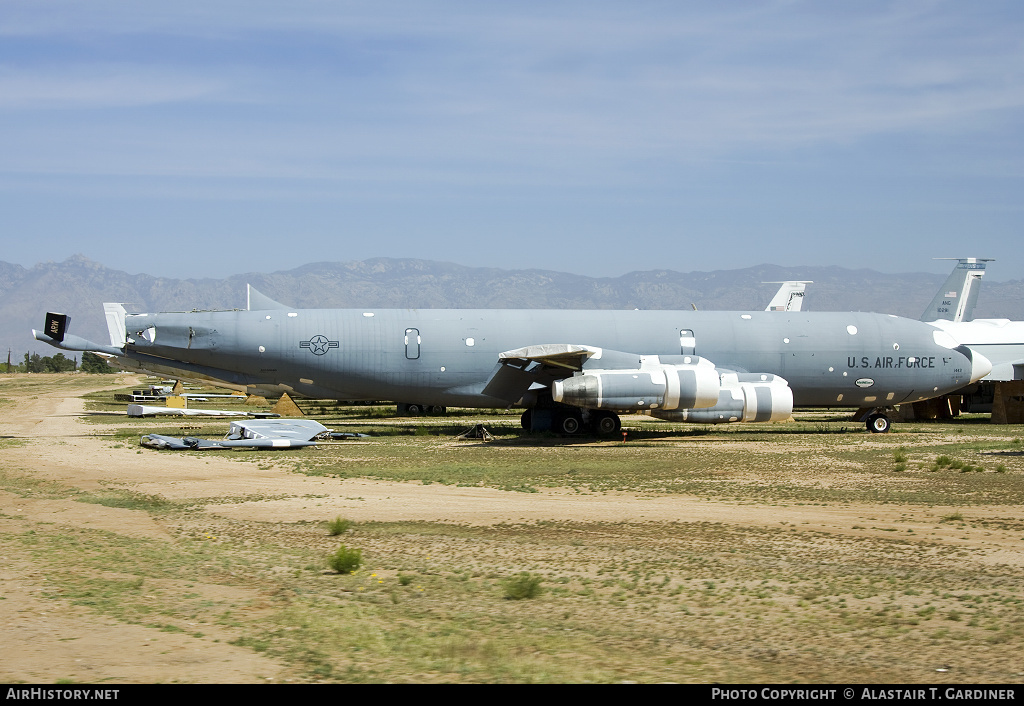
{"x": 570, "y": 370}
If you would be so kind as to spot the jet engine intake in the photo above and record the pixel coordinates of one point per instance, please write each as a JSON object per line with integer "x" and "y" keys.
{"x": 652, "y": 386}
{"x": 744, "y": 397}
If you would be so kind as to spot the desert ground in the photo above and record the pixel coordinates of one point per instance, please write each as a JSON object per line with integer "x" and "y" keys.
{"x": 800, "y": 552}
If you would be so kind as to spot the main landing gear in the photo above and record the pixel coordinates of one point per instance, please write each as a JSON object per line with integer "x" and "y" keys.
{"x": 415, "y": 410}
{"x": 570, "y": 421}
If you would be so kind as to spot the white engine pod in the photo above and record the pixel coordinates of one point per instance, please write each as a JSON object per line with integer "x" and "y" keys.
{"x": 743, "y": 398}
{"x": 654, "y": 386}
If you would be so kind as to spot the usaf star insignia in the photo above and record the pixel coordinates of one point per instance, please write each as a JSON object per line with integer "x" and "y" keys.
{"x": 319, "y": 344}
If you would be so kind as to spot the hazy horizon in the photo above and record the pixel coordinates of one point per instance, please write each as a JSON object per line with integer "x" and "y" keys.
{"x": 594, "y": 138}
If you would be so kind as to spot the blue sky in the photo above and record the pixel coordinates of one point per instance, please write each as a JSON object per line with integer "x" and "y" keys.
{"x": 197, "y": 139}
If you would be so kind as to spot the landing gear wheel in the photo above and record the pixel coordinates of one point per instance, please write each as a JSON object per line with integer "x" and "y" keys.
{"x": 527, "y": 420}
{"x": 878, "y": 424}
{"x": 568, "y": 424}
{"x": 438, "y": 410}
{"x": 605, "y": 423}
{"x": 414, "y": 410}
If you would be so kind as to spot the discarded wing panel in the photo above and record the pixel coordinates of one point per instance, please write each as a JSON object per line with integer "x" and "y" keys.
{"x": 192, "y": 443}
{"x": 141, "y": 410}
{"x": 159, "y": 441}
{"x": 288, "y": 429}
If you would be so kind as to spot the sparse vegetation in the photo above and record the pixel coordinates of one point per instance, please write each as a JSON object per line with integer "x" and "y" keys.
{"x": 522, "y": 585}
{"x": 338, "y": 526}
{"x": 345, "y": 560}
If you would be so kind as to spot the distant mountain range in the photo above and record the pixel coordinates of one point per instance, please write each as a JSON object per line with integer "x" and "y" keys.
{"x": 78, "y": 287}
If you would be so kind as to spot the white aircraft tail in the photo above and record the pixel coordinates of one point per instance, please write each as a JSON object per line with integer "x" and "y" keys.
{"x": 115, "y": 315}
{"x": 956, "y": 298}
{"x": 790, "y": 296}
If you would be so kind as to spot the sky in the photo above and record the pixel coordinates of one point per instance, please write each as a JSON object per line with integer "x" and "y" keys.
{"x": 202, "y": 139}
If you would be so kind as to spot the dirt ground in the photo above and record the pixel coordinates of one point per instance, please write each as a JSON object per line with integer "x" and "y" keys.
{"x": 47, "y": 639}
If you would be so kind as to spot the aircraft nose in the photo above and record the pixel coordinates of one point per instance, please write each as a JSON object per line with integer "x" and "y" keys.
{"x": 980, "y": 366}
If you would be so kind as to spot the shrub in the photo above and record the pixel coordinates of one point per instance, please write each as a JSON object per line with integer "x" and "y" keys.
{"x": 338, "y": 526}
{"x": 522, "y": 585}
{"x": 346, "y": 560}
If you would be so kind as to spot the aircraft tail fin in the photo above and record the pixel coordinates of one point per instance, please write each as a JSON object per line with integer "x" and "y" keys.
{"x": 790, "y": 296}
{"x": 956, "y": 298}
{"x": 115, "y": 315}
{"x": 257, "y": 301}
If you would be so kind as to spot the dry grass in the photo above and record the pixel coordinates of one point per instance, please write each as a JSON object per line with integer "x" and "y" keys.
{"x": 927, "y": 575}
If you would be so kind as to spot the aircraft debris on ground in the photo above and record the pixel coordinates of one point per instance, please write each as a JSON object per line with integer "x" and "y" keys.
{"x": 141, "y": 410}
{"x": 251, "y": 434}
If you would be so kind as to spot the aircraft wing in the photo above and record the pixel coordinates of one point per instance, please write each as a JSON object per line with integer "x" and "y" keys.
{"x": 680, "y": 387}
{"x": 520, "y": 369}
{"x": 538, "y": 366}
{"x": 564, "y": 355}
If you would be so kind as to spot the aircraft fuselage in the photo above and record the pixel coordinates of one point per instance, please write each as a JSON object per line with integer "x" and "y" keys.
{"x": 447, "y": 356}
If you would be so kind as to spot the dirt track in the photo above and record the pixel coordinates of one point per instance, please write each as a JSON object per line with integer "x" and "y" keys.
{"x": 48, "y": 639}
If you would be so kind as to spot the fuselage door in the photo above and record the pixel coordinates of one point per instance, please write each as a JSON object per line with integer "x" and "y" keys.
{"x": 412, "y": 343}
{"x": 687, "y": 342}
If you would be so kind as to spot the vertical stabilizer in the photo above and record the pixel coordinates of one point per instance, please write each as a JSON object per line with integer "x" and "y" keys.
{"x": 956, "y": 298}
{"x": 790, "y": 296}
{"x": 115, "y": 315}
{"x": 257, "y": 301}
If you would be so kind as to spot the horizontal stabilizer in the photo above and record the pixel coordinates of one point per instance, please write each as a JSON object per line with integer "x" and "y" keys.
{"x": 75, "y": 343}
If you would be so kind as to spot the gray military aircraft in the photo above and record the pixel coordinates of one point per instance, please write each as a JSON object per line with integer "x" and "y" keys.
{"x": 569, "y": 369}
{"x": 958, "y": 295}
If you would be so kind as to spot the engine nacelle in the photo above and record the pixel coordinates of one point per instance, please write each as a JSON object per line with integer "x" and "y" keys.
{"x": 651, "y": 386}
{"x": 746, "y": 397}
